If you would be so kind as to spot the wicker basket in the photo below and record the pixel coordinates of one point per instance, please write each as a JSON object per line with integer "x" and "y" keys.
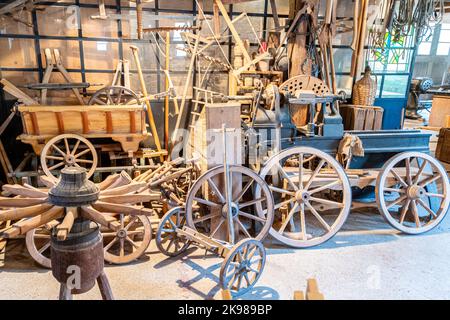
{"x": 365, "y": 89}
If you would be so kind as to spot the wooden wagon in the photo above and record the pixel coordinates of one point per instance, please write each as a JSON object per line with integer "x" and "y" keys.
{"x": 60, "y": 134}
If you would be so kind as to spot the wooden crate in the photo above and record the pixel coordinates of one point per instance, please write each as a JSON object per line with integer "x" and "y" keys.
{"x": 443, "y": 145}
{"x": 124, "y": 124}
{"x": 356, "y": 117}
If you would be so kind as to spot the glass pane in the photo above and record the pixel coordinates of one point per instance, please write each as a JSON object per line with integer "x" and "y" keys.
{"x": 256, "y": 6}
{"x": 100, "y": 55}
{"x": 442, "y": 49}
{"x": 394, "y": 86}
{"x": 424, "y": 48}
{"x": 342, "y": 63}
{"x": 69, "y": 50}
{"x": 64, "y": 21}
{"x": 98, "y": 27}
{"x": 9, "y": 26}
{"x": 177, "y": 5}
{"x": 444, "y": 36}
{"x": 17, "y": 53}
{"x": 148, "y": 53}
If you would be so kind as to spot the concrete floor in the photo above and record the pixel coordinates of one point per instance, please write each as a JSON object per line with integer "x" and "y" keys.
{"x": 366, "y": 260}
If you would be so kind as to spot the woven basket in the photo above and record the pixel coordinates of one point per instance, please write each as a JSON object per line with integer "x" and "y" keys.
{"x": 365, "y": 89}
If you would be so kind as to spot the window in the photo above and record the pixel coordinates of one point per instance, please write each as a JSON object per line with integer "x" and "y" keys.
{"x": 424, "y": 48}
{"x": 444, "y": 40}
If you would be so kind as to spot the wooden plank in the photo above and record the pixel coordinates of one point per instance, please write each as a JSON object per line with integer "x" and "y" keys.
{"x": 85, "y": 122}
{"x": 16, "y": 92}
{"x": 60, "y": 122}
{"x": 109, "y": 122}
{"x": 439, "y": 111}
{"x": 132, "y": 121}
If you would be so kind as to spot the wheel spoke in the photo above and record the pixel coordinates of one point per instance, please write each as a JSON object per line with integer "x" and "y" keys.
{"x": 285, "y": 175}
{"x": 404, "y": 211}
{"x": 426, "y": 207}
{"x": 244, "y": 190}
{"x": 66, "y": 144}
{"x": 288, "y": 218}
{"x": 399, "y": 179}
{"x": 416, "y": 213}
{"x": 54, "y": 158}
{"x": 217, "y": 228}
{"x": 109, "y": 245}
{"x": 75, "y": 147}
{"x": 206, "y": 202}
{"x": 84, "y": 161}
{"x": 419, "y": 173}
{"x": 436, "y": 195}
{"x": 82, "y": 153}
{"x": 300, "y": 171}
{"x": 243, "y": 228}
{"x": 324, "y": 187}
{"x": 315, "y": 173}
{"x": 216, "y": 190}
{"x": 44, "y": 247}
{"x": 280, "y": 190}
{"x": 428, "y": 180}
{"x": 99, "y": 101}
{"x": 302, "y": 221}
{"x": 283, "y": 203}
{"x": 247, "y": 279}
{"x": 132, "y": 220}
{"x": 251, "y": 216}
{"x": 58, "y": 149}
{"x": 395, "y": 190}
{"x": 395, "y": 202}
{"x": 329, "y": 202}
{"x": 132, "y": 242}
{"x": 56, "y": 166}
{"x": 250, "y": 203}
{"x": 318, "y": 216}
{"x": 207, "y": 217}
{"x": 408, "y": 171}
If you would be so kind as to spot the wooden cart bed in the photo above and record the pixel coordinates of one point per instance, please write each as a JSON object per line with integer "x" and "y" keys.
{"x": 124, "y": 124}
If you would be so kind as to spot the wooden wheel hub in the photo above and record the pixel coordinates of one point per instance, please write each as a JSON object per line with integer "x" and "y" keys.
{"x": 234, "y": 210}
{"x": 415, "y": 192}
{"x": 70, "y": 160}
{"x": 122, "y": 233}
{"x": 302, "y": 196}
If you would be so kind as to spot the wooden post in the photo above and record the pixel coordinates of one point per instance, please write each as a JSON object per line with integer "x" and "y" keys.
{"x": 147, "y": 102}
{"x": 167, "y": 98}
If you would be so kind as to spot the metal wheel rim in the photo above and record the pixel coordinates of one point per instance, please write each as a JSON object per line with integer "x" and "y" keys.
{"x": 64, "y": 138}
{"x": 34, "y": 252}
{"x": 136, "y": 252}
{"x": 214, "y": 172}
{"x": 235, "y": 253}
{"x": 346, "y": 190}
{"x": 380, "y": 189}
{"x": 113, "y": 95}
{"x": 164, "y": 231}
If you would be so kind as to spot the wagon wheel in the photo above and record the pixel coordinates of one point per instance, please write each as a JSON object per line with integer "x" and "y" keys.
{"x": 114, "y": 95}
{"x": 207, "y": 195}
{"x": 420, "y": 186}
{"x": 68, "y": 150}
{"x": 242, "y": 267}
{"x": 167, "y": 239}
{"x": 306, "y": 211}
{"x": 38, "y": 245}
{"x": 184, "y": 183}
{"x": 129, "y": 242}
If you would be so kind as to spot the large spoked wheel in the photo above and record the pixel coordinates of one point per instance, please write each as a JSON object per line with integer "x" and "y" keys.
{"x": 242, "y": 267}
{"x": 312, "y": 196}
{"x": 167, "y": 239}
{"x": 208, "y": 209}
{"x": 412, "y": 192}
{"x": 129, "y": 242}
{"x": 68, "y": 150}
{"x": 114, "y": 95}
{"x": 38, "y": 245}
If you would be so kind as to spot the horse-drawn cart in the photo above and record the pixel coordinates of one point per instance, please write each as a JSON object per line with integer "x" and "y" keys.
{"x": 64, "y": 135}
